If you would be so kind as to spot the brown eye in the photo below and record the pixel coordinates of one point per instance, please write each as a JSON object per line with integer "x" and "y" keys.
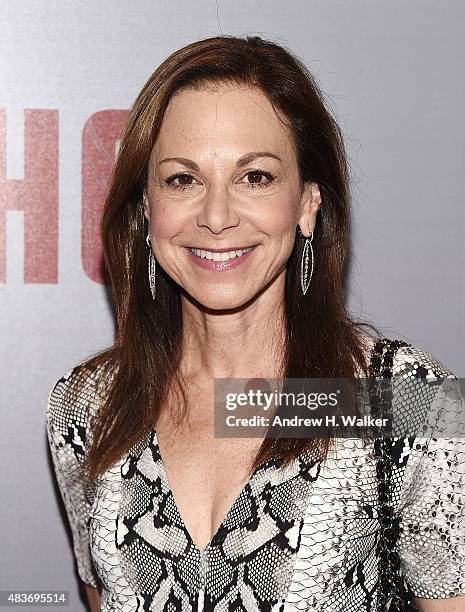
{"x": 182, "y": 177}
{"x": 256, "y": 177}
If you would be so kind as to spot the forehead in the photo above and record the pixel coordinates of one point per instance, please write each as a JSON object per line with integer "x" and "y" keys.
{"x": 221, "y": 119}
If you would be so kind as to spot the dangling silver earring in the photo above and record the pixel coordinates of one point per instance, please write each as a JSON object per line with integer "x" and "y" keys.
{"x": 305, "y": 277}
{"x": 152, "y": 267}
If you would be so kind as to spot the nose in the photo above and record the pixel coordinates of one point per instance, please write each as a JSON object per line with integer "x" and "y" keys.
{"x": 217, "y": 211}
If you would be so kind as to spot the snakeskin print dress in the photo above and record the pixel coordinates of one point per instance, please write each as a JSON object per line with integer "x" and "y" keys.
{"x": 299, "y": 538}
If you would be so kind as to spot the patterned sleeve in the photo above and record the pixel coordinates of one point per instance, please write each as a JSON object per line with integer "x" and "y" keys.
{"x": 66, "y": 424}
{"x": 432, "y": 505}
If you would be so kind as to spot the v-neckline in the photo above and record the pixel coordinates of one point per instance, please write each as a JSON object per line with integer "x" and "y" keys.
{"x": 202, "y": 551}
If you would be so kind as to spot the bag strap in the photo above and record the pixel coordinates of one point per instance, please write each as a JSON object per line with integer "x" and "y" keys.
{"x": 393, "y": 590}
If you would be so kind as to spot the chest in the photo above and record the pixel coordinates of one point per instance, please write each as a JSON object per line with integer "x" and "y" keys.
{"x": 296, "y": 534}
{"x": 205, "y": 474}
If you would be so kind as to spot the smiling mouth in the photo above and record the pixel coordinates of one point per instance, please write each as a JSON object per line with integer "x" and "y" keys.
{"x": 222, "y": 255}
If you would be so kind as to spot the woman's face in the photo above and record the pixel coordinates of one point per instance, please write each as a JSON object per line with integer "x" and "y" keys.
{"x": 223, "y": 177}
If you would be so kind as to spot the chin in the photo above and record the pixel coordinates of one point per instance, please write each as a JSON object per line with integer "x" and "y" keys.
{"x": 222, "y": 301}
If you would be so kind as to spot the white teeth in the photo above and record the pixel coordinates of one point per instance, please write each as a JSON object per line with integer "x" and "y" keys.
{"x": 219, "y": 256}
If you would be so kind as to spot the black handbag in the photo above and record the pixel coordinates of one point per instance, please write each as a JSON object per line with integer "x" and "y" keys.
{"x": 394, "y": 593}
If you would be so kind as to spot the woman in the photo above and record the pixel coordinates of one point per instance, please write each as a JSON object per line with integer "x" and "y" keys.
{"x": 225, "y": 234}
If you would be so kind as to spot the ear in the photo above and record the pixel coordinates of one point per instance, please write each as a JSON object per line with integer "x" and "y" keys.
{"x": 310, "y": 203}
{"x": 146, "y": 206}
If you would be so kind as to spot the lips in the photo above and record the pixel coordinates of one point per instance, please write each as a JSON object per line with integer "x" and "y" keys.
{"x": 220, "y": 260}
{"x": 220, "y": 255}
{"x": 223, "y": 250}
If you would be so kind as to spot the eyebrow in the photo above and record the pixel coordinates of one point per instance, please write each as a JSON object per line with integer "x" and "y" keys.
{"x": 242, "y": 161}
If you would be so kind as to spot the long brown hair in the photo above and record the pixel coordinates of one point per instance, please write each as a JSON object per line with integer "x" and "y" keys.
{"x": 322, "y": 338}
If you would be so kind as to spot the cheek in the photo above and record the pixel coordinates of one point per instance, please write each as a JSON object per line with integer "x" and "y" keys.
{"x": 281, "y": 220}
{"x": 274, "y": 215}
{"x": 166, "y": 222}
{"x": 278, "y": 215}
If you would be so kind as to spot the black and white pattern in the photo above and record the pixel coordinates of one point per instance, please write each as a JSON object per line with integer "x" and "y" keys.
{"x": 299, "y": 538}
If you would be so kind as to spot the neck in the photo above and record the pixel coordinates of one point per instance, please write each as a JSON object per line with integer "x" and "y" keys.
{"x": 244, "y": 343}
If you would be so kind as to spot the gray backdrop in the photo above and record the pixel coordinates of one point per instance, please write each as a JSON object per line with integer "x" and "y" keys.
{"x": 394, "y": 72}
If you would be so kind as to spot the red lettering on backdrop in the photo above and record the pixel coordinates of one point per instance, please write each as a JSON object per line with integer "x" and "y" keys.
{"x": 36, "y": 194}
{"x": 100, "y": 135}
